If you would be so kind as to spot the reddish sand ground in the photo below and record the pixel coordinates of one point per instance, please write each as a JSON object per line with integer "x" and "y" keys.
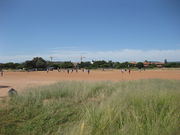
{"x": 21, "y": 80}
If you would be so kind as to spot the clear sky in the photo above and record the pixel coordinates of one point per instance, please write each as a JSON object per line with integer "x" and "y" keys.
{"x": 119, "y": 30}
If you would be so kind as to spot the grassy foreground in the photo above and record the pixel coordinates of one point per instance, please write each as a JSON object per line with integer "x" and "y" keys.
{"x": 144, "y": 107}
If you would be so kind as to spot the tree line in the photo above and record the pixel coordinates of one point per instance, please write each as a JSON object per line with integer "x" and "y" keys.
{"x": 39, "y": 63}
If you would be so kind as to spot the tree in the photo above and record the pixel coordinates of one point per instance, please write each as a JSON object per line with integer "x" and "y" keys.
{"x": 139, "y": 65}
{"x": 39, "y": 62}
{"x": 67, "y": 64}
{"x": 124, "y": 65}
{"x": 172, "y": 64}
{"x": 152, "y": 66}
{"x": 85, "y": 65}
{"x": 110, "y": 64}
{"x": 100, "y": 64}
{"x": 36, "y": 62}
{"x": 117, "y": 65}
{"x": 9, "y": 65}
{"x": 1, "y": 66}
{"x": 28, "y": 64}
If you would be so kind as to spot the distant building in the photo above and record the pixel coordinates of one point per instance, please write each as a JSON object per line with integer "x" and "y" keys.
{"x": 133, "y": 62}
{"x": 148, "y": 63}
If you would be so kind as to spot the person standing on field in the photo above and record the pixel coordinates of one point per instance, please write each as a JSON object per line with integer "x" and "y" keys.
{"x": 129, "y": 71}
{"x": 58, "y": 69}
{"x": 88, "y": 71}
{"x": 2, "y": 73}
{"x": 122, "y": 71}
{"x": 68, "y": 71}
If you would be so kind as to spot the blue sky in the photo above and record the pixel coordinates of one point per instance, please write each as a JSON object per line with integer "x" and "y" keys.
{"x": 121, "y": 30}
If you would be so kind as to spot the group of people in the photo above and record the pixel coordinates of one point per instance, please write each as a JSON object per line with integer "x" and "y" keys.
{"x": 126, "y": 70}
{"x": 70, "y": 70}
{"x": 76, "y": 70}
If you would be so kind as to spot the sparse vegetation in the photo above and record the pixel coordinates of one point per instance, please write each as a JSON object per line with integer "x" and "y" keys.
{"x": 143, "y": 107}
{"x": 39, "y": 63}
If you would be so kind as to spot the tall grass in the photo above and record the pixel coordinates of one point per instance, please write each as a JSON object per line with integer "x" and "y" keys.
{"x": 144, "y": 107}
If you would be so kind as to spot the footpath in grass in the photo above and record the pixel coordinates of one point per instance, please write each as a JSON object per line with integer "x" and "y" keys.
{"x": 143, "y": 107}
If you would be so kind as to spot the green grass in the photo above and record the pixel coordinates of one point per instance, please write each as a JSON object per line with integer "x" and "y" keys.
{"x": 143, "y": 107}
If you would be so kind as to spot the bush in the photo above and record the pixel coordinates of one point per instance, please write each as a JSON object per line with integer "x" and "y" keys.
{"x": 144, "y": 107}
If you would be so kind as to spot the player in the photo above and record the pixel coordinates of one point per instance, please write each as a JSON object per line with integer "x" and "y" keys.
{"x": 129, "y": 71}
{"x": 2, "y": 73}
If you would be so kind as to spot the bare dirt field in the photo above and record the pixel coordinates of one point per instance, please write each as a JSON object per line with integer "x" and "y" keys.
{"x": 21, "y": 80}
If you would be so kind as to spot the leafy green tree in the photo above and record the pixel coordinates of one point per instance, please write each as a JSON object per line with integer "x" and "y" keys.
{"x": 36, "y": 62}
{"x": 1, "y": 66}
{"x": 28, "y": 64}
{"x": 110, "y": 64}
{"x": 172, "y": 64}
{"x": 124, "y": 65}
{"x": 9, "y": 65}
{"x": 139, "y": 65}
{"x": 85, "y": 65}
{"x": 55, "y": 65}
{"x": 117, "y": 65}
{"x": 100, "y": 64}
{"x": 152, "y": 66}
{"x": 67, "y": 64}
{"x": 39, "y": 62}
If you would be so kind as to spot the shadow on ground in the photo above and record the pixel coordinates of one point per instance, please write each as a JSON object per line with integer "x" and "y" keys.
{"x": 3, "y": 86}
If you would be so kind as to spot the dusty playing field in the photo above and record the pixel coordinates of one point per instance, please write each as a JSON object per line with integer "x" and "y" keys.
{"x": 21, "y": 80}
